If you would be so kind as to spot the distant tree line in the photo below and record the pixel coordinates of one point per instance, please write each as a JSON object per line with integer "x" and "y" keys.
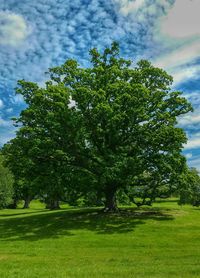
{"x": 99, "y": 135}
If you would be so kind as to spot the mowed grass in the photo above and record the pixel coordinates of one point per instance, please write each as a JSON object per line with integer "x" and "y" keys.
{"x": 162, "y": 241}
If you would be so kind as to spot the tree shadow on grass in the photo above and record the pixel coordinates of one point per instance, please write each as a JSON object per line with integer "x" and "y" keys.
{"x": 66, "y": 222}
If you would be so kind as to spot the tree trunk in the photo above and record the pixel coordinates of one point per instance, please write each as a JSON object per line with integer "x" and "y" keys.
{"x": 110, "y": 203}
{"x": 52, "y": 204}
{"x": 99, "y": 201}
{"x": 27, "y": 201}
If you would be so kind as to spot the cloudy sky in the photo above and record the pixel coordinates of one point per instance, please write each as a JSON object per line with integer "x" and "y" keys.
{"x": 37, "y": 34}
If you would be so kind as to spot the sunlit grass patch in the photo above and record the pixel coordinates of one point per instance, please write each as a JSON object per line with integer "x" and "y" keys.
{"x": 160, "y": 241}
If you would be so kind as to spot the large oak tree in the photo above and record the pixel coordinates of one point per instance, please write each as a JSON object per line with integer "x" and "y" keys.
{"x": 112, "y": 122}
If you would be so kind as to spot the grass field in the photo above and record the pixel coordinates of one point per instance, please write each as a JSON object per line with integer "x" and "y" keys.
{"x": 162, "y": 241}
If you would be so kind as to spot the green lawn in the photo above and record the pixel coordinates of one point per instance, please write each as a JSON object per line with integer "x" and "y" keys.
{"x": 163, "y": 241}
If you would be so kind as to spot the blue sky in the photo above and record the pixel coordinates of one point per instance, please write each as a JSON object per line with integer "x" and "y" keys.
{"x": 38, "y": 34}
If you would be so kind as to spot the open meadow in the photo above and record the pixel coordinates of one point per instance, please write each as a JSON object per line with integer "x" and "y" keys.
{"x": 162, "y": 241}
{"x": 99, "y": 125}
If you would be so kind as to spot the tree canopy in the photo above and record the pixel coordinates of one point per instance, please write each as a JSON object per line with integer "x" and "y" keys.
{"x": 106, "y": 128}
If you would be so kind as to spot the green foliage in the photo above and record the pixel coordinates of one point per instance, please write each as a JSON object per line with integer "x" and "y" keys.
{"x": 6, "y": 185}
{"x": 120, "y": 133}
{"x": 129, "y": 116}
{"x": 190, "y": 188}
{"x": 18, "y": 161}
{"x": 44, "y": 144}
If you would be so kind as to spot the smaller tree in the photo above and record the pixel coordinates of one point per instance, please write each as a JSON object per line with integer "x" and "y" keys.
{"x": 45, "y": 152}
{"x": 6, "y": 185}
{"x": 190, "y": 188}
{"x": 22, "y": 168}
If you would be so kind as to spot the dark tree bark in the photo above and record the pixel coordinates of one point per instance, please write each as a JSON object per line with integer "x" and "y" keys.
{"x": 110, "y": 203}
{"x": 52, "y": 204}
{"x": 27, "y": 201}
{"x": 99, "y": 201}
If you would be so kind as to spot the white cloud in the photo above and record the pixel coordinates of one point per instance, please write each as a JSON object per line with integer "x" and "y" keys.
{"x": 127, "y": 6}
{"x": 5, "y": 137}
{"x": 17, "y": 99}
{"x": 179, "y": 62}
{"x": 13, "y": 29}
{"x": 177, "y": 30}
{"x": 4, "y": 123}
{"x": 182, "y": 20}
{"x": 195, "y": 163}
{"x": 190, "y": 119}
{"x": 142, "y": 9}
{"x": 194, "y": 97}
{"x": 188, "y": 155}
{"x": 1, "y": 103}
{"x": 193, "y": 142}
{"x": 9, "y": 110}
{"x": 180, "y": 56}
{"x": 184, "y": 73}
